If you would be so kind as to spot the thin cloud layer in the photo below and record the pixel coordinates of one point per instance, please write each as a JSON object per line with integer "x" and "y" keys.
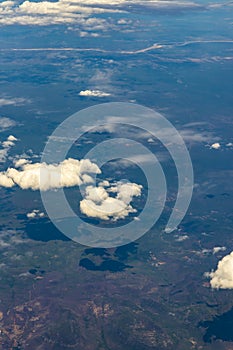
{"x": 8, "y": 101}
{"x": 6, "y": 123}
{"x": 99, "y": 204}
{"x": 42, "y": 176}
{"x": 48, "y": 12}
{"x": 222, "y": 278}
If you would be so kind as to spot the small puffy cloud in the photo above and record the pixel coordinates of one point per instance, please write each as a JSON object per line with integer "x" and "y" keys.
{"x": 6, "y": 145}
{"x": 31, "y": 215}
{"x": 124, "y": 21}
{"x": 12, "y": 138}
{"x": 218, "y": 249}
{"x": 35, "y": 214}
{"x": 182, "y": 238}
{"x": 94, "y": 93}
{"x": 222, "y": 278}
{"x": 126, "y": 191}
{"x": 215, "y": 145}
{"x": 20, "y": 162}
{"x": 83, "y": 34}
{"x": 109, "y": 208}
{"x": 70, "y": 172}
{"x": 99, "y": 204}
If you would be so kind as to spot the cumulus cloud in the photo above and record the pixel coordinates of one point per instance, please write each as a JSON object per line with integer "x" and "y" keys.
{"x": 35, "y": 176}
{"x": 218, "y": 249}
{"x": 215, "y": 145}
{"x": 11, "y": 138}
{"x": 35, "y": 214}
{"x": 6, "y": 145}
{"x": 94, "y": 93}
{"x": 222, "y": 278}
{"x": 104, "y": 201}
{"x": 99, "y": 204}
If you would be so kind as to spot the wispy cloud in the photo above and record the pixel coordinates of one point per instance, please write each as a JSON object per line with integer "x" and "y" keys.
{"x": 7, "y": 101}
{"x": 6, "y": 123}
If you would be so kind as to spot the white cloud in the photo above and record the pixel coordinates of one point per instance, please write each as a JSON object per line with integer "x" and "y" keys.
{"x": 94, "y": 93}
{"x": 96, "y": 194}
{"x": 195, "y": 136}
{"x": 35, "y": 214}
{"x": 11, "y": 238}
{"x": 48, "y": 12}
{"x": 69, "y": 12}
{"x": 12, "y": 138}
{"x": 83, "y": 34}
{"x": 6, "y": 123}
{"x": 6, "y": 145}
{"x": 215, "y": 145}
{"x": 126, "y": 191}
{"x": 104, "y": 183}
{"x": 218, "y": 249}
{"x": 99, "y": 204}
{"x": 112, "y": 124}
{"x": 70, "y": 172}
{"x": 5, "y": 181}
{"x": 222, "y": 278}
{"x": 139, "y": 160}
{"x": 18, "y": 163}
{"x": 182, "y": 238}
{"x": 14, "y": 100}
